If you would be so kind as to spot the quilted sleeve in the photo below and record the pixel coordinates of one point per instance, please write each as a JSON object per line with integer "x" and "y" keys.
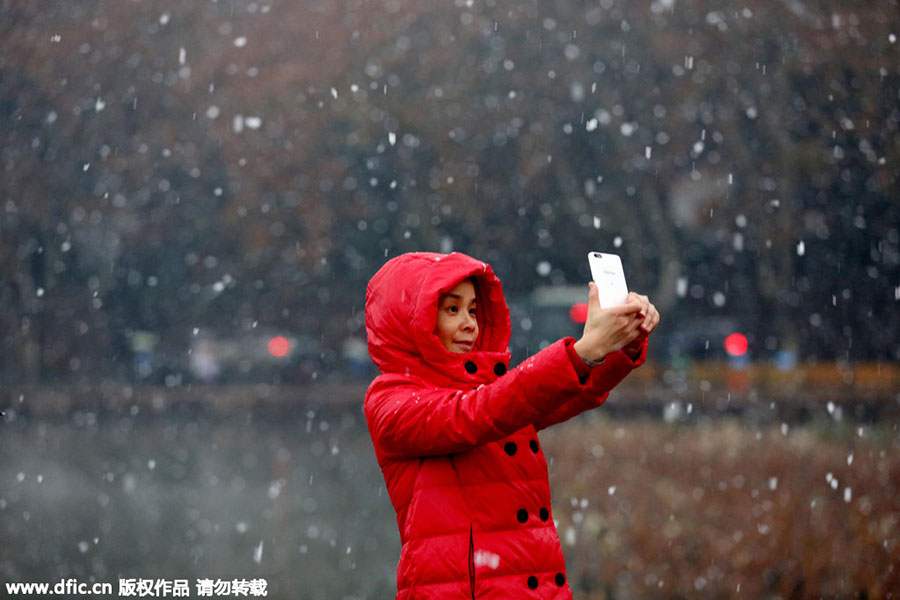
{"x": 409, "y": 419}
{"x": 602, "y": 379}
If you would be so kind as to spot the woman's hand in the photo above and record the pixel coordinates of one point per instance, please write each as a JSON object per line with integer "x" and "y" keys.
{"x": 607, "y": 330}
{"x": 651, "y": 320}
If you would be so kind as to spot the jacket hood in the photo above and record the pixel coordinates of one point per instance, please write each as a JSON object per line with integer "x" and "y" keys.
{"x": 401, "y": 318}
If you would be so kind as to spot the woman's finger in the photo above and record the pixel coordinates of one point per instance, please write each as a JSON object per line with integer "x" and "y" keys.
{"x": 593, "y": 297}
{"x": 624, "y": 310}
{"x": 644, "y": 302}
{"x": 652, "y": 320}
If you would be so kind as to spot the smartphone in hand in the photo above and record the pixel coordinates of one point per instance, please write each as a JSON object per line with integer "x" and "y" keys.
{"x": 607, "y": 272}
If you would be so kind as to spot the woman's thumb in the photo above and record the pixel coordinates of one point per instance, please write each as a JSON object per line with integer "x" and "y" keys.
{"x": 593, "y": 296}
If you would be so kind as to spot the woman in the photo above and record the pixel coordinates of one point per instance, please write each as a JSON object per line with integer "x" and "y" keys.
{"x": 455, "y": 434}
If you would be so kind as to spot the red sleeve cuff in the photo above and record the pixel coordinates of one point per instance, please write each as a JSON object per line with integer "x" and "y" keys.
{"x": 581, "y": 369}
{"x": 639, "y": 354}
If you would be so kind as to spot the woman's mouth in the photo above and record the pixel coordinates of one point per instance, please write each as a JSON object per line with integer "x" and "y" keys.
{"x": 467, "y": 346}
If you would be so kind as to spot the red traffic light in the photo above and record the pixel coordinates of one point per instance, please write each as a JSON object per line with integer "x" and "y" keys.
{"x": 736, "y": 344}
{"x": 279, "y": 346}
{"x": 578, "y": 312}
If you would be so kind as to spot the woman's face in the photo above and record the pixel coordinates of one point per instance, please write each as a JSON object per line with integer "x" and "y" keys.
{"x": 456, "y": 325}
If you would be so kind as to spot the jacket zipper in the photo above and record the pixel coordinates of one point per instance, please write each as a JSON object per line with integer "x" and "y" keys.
{"x": 471, "y": 562}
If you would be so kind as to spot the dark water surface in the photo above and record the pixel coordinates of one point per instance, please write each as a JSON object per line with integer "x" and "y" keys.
{"x": 297, "y": 500}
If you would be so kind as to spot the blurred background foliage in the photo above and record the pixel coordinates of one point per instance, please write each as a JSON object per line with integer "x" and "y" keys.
{"x": 224, "y": 165}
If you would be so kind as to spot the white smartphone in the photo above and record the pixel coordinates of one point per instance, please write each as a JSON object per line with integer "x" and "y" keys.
{"x": 607, "y": 272}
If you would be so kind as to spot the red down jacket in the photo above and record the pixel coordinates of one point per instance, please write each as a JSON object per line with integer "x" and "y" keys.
{"x": 456, "y": 435}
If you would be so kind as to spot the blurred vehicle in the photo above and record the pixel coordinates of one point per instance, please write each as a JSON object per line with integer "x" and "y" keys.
{"x": 715, "y": 339}
{"x": 545, "y": 315}
{"x": 275, "y": 357}
{"x": 142, "y": 345}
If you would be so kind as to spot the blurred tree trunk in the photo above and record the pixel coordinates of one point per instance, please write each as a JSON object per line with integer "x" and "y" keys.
{"x": 28, "y": 320}
{"x": 653, "y": 207}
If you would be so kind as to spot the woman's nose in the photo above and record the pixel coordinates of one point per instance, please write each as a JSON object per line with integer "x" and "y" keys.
{"x": 469, "y": 322}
